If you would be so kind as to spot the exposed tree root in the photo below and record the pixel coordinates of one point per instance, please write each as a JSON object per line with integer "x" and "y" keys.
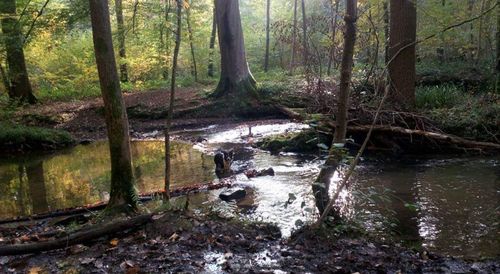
{"x": 83, "y": 236}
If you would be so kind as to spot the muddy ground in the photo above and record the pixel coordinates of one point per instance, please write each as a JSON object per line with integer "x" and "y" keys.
{"x": 184, "y": 242}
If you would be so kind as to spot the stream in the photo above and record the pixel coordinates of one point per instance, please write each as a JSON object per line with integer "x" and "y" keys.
{"x": 447, "y": 205}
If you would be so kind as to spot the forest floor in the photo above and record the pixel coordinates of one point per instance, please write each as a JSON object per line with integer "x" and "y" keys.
{"x": 182, "y": 242}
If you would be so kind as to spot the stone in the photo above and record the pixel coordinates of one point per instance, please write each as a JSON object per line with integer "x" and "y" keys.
{"x": 233, "y": 194}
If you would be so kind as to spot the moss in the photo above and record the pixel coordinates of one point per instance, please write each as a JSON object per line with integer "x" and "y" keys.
{"x": 304, "y": 142}
{"x": 24, "y": 138}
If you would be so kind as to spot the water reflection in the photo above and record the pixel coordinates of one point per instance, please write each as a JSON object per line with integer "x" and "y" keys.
{"x": 81, "y": 176}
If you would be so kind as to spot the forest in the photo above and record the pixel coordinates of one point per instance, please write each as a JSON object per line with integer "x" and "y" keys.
{"x": 249, "y": 136}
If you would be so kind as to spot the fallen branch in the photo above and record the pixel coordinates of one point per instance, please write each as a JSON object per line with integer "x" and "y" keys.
{"x": 102, "y": 205}
{"x": 86, "y": 235}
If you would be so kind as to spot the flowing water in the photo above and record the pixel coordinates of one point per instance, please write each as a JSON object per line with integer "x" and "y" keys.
{"x": 449, "y": 206}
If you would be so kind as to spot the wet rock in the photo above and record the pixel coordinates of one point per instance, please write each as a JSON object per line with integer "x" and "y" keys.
{"x": 233, "y": 194}
{"x": 251, "y": 173}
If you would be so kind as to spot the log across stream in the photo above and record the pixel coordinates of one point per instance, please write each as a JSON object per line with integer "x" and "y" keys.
{"x": 447, "y": 205}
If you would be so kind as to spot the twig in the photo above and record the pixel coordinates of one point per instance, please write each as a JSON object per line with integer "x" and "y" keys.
{"x": 40, "y": 12}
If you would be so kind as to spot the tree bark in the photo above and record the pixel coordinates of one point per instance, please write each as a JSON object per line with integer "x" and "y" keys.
{"x": 211, "y": 48}
{"x": 294, "y": 36}
{"x": 123, "y": 193}
{"x": 121, "y": 41}
{"x": 236, "y": 81}
{"x": 403, "y": 31}
{"x": 19, "y": 83}
{"x": 194, "y": 68}
{"x": 268, "y": 20}
{"x": 335, "y": 155}
{"x": 168, "y": 169}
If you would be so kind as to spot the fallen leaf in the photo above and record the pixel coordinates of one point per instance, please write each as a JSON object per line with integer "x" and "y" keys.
{"x": 35, "y": 270}
{"x": 174, "y": 237}
{"x": 114, "y": 242}
{"x": 4, "y": 260}
{"x": 157, "y": 217}
{"x": 77, "y": 249}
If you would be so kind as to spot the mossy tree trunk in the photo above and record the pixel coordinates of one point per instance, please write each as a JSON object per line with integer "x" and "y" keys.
{"x": 322, "y": 184}
{"x": 168, "y": 169}
{"x": 236, "y": 81}
{"x": 19, "y": 86}
{"x": 123, "y": 193}
{"x": 121, "y": 41}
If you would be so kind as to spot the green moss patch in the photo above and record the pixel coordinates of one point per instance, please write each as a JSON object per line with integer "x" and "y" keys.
{"x": 19, "y": 138}
{"x": 308, "y": 141}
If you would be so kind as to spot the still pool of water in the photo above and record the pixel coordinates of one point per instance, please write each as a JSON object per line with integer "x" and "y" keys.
{"x": 449, "y": 206}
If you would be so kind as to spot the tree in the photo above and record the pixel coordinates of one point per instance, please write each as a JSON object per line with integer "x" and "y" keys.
{"x": 211, "y": 46}
{"x": 304, "y": 36}
{"x": 235, "y": 79}
{"x": 121, "y": 41}
{"x": 402, "y": 37}
{"x": 335, "y": 155}
{"x": 19, "y": 86}
{"x": 123, "y": 193}
{"x": 497, "y": 68}
{"x": 331, "y": 56}
{"x": 294, "y": 36}
{"x": 172, "y": 99}
{"x": 194, "y": 69}
{"x": 268, "y": 20}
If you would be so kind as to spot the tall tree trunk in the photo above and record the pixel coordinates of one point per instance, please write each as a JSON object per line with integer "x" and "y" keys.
{"x": 402, "y": 52}
{"x": 268, "y": 21}
{"x": 123, "y": 193}
{"x": 480, "y": 33}
{"x": 294, "y": 36}
{"x": 497, "y": 68}
{"x": 194, "y": 68}
{"x": 168, "y": 169}
{"x": 335, "y": 155}
{"x": 5, "y": 78}
{"x": 236, "y": 81}
{"x": 385, "y": 7}
{"x": 211, "y": 48}
{"x": 304, "y": 36}
{"x": 331, "y": 57}
{"x": 121, "y": 41}
{"x": 20, "y": 86}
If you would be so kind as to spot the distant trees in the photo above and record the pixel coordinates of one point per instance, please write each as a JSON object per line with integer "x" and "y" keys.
{"x": 402, "y": 37}
{"x": 123, "y": 194}
{"x": 194, "y": 68}
{"x": 294, "y": 36}
{"x": 17, "y": 80}
{"x": 235, "y": 79}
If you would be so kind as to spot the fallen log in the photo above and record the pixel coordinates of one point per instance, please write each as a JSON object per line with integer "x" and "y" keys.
{"x": 83, "y": 236}
{"x": 102, "y": 205}
{"x": 452, "y": 139}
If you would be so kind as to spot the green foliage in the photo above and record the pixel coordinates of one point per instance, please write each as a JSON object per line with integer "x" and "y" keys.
{"x": 445, "y": 96}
